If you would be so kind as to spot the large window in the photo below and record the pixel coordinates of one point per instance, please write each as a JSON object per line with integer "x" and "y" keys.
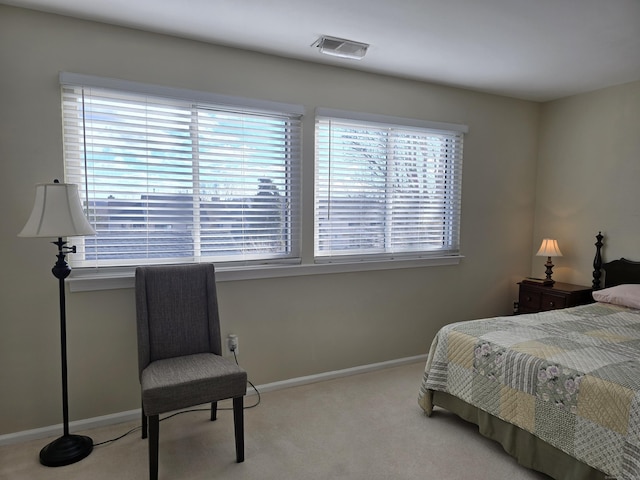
{"x": 169, "y": 179}
{"x": 386, "y": 190}
{"x": 176, "y": 176}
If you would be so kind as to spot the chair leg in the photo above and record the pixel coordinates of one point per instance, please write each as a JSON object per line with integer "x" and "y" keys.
{"x": 144, "y": 424}
{"x": 238, "y": 424}
{"x": 154, "y": 433}
{"x": 214, "y": 410}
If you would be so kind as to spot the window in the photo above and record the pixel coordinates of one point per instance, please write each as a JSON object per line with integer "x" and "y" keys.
{"x": 386, "y": 187}
{"x": 180, "y": 177}
{"x": 176, "y": 176}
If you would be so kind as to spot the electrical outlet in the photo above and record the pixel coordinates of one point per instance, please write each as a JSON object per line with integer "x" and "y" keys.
{"x": 232, "y": 344}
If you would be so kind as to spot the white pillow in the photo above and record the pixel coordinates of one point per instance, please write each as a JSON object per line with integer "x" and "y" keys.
{"x": 625, "y": 295}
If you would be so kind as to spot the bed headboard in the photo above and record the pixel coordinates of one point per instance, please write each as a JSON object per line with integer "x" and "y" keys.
{"x": 616, "y": 272}
{"x": 621, "y": 271}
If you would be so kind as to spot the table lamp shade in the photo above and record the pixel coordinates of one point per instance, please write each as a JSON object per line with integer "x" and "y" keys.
{"x": 57, "y": 212}
{"x": 549, "y": 248}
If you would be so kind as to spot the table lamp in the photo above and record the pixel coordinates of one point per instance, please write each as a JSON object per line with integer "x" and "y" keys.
{"x": 549, "y": 248}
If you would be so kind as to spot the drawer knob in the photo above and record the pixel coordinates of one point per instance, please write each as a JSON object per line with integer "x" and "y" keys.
{"x": 551, "y": 304}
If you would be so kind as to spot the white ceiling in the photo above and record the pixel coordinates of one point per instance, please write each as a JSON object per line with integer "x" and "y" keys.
{"x": 531, "y": 49}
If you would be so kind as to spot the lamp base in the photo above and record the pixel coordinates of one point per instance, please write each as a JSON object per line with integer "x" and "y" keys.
{"x": 66, "y": 450}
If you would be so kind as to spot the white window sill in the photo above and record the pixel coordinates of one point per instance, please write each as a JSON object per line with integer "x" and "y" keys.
{"x": 83, "y": 280}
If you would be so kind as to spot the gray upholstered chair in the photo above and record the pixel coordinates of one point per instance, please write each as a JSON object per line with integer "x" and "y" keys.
{"x": 179, "y": 349}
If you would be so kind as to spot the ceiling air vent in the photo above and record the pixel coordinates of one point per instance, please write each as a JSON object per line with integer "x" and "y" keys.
{"x": 340, "y": 47}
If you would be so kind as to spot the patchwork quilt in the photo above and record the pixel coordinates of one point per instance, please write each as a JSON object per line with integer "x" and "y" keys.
{"x": 570, "y": 377}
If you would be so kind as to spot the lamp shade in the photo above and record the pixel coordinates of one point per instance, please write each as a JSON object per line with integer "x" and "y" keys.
{"x": 57, "y": 212}
{"x": 549, "y": 248}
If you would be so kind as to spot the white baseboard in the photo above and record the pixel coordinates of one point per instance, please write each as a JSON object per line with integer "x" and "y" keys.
{"x": 320, "y": 377}
{"x": 130, "y": 415}
{"x": 75, "y": 426}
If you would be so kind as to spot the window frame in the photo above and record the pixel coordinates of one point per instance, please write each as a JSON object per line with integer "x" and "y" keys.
{"x": 381, "y": 122}
{"x": 191, "y": 101}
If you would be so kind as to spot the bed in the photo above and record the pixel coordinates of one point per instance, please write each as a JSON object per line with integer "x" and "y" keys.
{"x": 560, "y": 390}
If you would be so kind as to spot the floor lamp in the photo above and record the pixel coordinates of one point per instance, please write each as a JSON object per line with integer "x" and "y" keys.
{"x": 57, "y": 213}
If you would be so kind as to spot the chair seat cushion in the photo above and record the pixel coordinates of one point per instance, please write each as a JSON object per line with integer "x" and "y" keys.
{"x": 180, "y": 382}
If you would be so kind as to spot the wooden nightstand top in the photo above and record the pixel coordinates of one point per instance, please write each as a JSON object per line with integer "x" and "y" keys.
{"x": 558, "y": 287}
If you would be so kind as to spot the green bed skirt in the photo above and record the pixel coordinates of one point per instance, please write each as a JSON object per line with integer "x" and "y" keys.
{"x": 527, "y": 449}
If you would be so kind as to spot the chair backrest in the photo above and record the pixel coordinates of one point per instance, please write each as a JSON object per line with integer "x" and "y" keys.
{"x": 176, "y": 311}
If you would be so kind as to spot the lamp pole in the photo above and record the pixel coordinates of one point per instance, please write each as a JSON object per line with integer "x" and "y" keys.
{"x": 68, "y": 448}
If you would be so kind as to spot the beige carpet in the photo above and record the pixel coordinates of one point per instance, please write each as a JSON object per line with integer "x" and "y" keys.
{"x": 367, "y": 426}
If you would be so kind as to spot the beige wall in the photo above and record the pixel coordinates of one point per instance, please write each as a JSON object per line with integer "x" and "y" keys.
{"x": 288, "y": 327}
{"x": 588, "y": 179}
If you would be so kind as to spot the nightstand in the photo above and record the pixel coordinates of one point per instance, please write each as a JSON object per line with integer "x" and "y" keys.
{"x": 539, "y": 298}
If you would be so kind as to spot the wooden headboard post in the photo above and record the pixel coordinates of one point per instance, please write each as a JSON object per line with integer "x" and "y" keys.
{"x": 597, "y": 262}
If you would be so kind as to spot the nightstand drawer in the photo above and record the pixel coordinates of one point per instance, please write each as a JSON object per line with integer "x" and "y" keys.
{"x": 529, "y": 300}
{"x": 551, "y": 302}
{"x": 534, "y": 298}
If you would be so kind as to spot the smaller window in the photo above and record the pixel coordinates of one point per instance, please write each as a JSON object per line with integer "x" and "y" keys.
{"x": 386, "y": 189}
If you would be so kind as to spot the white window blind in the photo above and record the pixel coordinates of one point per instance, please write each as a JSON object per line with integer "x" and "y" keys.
{"x": 171, "y": 180}
{"x": 386, "y": 190}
